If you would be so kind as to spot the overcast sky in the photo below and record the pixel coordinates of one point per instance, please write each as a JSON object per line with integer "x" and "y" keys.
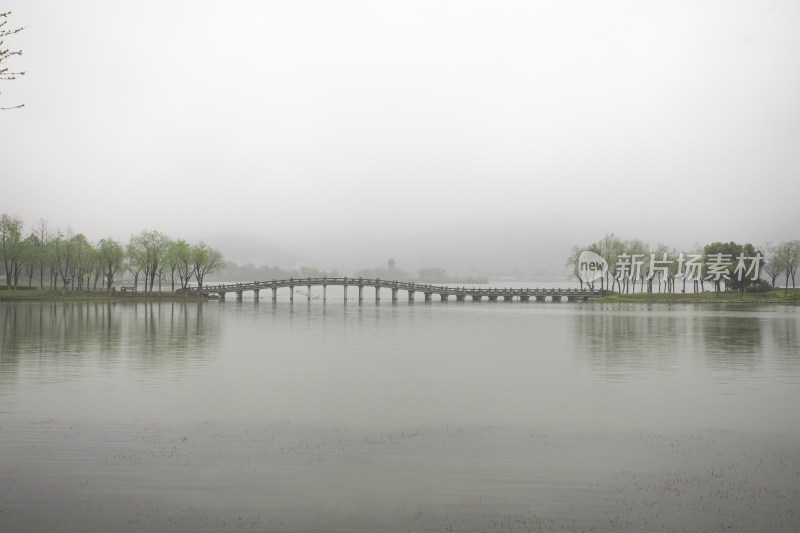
{"x": 466, "y": 133}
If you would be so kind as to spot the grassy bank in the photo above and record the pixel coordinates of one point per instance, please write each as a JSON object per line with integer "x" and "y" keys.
{"x": 34, "y": 294}
{"x": 774, "y": 296}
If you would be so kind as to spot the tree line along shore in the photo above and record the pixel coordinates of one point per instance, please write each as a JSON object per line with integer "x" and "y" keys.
{"x": 634, "y": 268}
{"x": 59, "y": 264}
{"x": 68, "y": 261}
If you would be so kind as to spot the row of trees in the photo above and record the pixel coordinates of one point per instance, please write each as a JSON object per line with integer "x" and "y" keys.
{"x": 69, "y": 260}
{"x": 727, "y": 266}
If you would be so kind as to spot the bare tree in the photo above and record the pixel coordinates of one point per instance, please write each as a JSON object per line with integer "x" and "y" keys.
{"x": 7, "y": 53}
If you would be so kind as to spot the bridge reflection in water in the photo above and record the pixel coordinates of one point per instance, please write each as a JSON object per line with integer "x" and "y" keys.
{"x": 444, "y": 292}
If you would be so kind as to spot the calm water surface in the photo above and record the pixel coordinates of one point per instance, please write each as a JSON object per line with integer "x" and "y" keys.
{"x": 424, "y": 417}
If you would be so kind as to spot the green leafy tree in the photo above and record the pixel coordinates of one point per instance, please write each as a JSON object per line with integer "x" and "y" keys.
{"x": 82, "y": 263}
{"x": 771, "y": 267}
{"x": 42, "y": 248}
{"x": 639, "y": 253}
{"x": 10, "y": 246}
{"x": 151, "y": 249}
{"x": 610, "y": 248}
{"x": 171, "y": 259}
{"x": 205, "y": 259}
{"x": 135, "y": 259}
{"x": 573, "y": 264}
{"x": 788, "y": 257}
{"x": 112, "y": 258}
{"x": 659, "y": 271}
{"x": 724, "y": 258}
{"x": 180, "y": 252}
{"x": 29, "y": 257}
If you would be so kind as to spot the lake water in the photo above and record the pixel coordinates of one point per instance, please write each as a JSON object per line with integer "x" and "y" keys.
{"x": 464, "y": 416}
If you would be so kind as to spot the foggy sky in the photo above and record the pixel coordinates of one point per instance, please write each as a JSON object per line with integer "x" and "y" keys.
{"x": 461, "y": 134}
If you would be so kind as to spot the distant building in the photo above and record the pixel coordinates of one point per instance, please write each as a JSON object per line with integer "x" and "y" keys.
{"x": 391, "y": 265}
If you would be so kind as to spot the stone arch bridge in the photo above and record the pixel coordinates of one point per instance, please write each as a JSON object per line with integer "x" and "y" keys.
{"x": 444, "y": 292}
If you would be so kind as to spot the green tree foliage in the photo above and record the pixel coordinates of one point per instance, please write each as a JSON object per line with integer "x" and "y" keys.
{"x": 639, "y": 253}
{"x": 11, "y": 247}
{"x": 771, "y": 266}
{"x": 787, "y": 258}
{"x": 662, "y": 267}
{"x": 83, "y": 260}
{"x": 149, "y": 250}
{"x": 184, "y": 266}
{"x": 29, "y": 257}
{"x": 112, "y": 258}
{"x": 730, "y": 253}
{"x": 573, "y": 263}
{"x": 205, "y": 260}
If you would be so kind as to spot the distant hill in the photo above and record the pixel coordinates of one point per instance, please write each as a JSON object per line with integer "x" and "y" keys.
{"x": 243, "y": 249}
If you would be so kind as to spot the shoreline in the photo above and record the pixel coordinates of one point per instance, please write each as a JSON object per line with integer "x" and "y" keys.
{"x": 772, "y": 297}
{"x": 32, "y": 295}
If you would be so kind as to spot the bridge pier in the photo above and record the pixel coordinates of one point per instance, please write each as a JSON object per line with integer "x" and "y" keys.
{"x": 505, "y": 294}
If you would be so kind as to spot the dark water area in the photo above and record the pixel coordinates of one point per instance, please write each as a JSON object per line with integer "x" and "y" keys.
{"x": 398, "y": 417}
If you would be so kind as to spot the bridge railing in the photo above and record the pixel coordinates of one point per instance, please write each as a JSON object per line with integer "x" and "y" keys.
{"x": 394, "y": 284}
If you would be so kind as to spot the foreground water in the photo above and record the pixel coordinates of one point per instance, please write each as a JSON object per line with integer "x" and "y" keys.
{"x": 423, "y": 417}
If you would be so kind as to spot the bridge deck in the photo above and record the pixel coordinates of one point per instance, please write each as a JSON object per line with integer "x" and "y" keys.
{"x": 443, "y": 291}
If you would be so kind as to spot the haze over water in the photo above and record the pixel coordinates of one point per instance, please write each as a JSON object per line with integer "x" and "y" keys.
{"x": 314, "y": 416}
